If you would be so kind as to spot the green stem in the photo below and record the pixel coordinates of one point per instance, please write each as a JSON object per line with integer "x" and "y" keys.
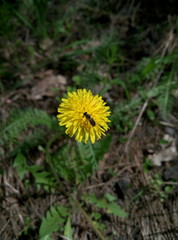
{"x": 78, "y": 205}
{"x": 94, "y": 163}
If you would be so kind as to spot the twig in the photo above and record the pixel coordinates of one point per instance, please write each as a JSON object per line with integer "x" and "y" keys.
{"x": 167, "y": 124}
{"x": 11, "y": 187}
{"x": 2, "y": 229}
{"x": 170, "y": 183}
{"x": 136, "y": 124}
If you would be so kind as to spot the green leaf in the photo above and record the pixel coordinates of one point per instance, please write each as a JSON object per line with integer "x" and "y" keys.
{"x": 21, "y": 165}
{"x": 109, "y": 197}
{"x": 96, "y": 215}
{"x": 163, "y": 141}
{"x": 42, "y": 177}
{"x": 149, "y": 67}
{"x": 147, "y": 164}
{"x": 150, "y": 114}
{"x": 47, "y": 237}
{"x": 68, "y": 229}
{"x": 110, "y": 207}
{"x": 115, "y": 209}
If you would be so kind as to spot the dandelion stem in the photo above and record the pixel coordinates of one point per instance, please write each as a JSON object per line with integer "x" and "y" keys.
{"x": 76, "y": 202}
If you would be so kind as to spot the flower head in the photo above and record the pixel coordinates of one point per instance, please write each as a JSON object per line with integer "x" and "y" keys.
{"x": 84, "y": 115}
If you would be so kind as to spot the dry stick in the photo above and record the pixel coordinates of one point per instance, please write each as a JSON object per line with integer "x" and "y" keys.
{"x": 136, "y": 124}
{"x": 3, "y": 228}
{"x": 170, "y": 183}
{"x": 48, "y": 160}
{"x": 167, "y": 124}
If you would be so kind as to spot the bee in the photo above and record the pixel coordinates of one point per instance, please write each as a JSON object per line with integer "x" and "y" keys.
{"x": 88, "y": 117}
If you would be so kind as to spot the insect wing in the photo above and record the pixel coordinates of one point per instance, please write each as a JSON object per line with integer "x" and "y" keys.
{"x": 92, "y": 122}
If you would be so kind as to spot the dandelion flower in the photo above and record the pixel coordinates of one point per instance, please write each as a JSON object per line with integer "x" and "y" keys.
{"x": 84, "y": 115}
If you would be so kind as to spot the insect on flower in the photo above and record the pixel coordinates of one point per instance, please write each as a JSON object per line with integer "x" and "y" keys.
{"x": 84, "y": 115}
{"x": 91, "y": 120}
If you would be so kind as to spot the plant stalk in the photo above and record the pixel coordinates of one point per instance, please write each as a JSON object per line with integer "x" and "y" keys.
{"x": 76, "y": 202}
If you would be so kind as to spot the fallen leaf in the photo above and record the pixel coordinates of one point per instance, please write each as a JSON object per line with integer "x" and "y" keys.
{"x": 47, "y": 86}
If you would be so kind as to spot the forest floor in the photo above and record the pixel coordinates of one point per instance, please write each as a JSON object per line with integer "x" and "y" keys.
{"x": 115, "y": 50}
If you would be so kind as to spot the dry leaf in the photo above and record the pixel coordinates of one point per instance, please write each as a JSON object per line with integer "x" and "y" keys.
{"x": 47, "y": 86}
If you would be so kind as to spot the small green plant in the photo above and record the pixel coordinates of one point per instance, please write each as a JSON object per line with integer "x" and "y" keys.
{"x": 27, "y": 227}
{"x": 158, "y": 187}
{"x": 147, "y": 165}
{"x": 42, "y": 178}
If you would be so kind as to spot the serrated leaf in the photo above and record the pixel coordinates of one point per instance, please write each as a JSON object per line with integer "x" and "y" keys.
{"x": 53, "y": 221}
{"x": 115, "y": 209}
{"x": 42, "y": 177}
{"x": 109, "y": 197}
{"x": 110, "y": 207}
{"x": 20, "y": 121}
